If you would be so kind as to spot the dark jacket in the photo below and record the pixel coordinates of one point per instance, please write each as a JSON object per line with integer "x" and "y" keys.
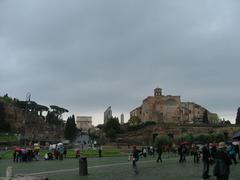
{"x": 136, "y": 154}
{"x": 223, "y": 162}
{"x": 159, "y": 150}
{"x": 205, "y": 154}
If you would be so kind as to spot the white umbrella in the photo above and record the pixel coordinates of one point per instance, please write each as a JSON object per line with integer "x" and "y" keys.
{"x": 235, "y": 142}
{"x": 60, "y": 144}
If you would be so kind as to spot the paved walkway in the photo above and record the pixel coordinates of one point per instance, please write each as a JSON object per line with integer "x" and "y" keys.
{"x": 90, "y": 167}
{"x": 114, "y": 168}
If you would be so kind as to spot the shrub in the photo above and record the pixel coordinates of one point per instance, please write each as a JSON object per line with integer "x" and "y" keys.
{"x": 162, "y": 140}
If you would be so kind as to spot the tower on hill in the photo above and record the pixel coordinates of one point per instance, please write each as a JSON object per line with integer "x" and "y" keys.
{"x": 157, "y": 92}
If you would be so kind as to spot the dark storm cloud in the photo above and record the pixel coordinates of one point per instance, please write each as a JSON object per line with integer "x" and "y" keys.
{"x": 87, "y": 55}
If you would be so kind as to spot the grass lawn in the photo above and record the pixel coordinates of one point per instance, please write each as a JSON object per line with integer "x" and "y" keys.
{"x": 71, "y": 153}
{"x": 8, "y": 138}
{"x": 115, "y": 168}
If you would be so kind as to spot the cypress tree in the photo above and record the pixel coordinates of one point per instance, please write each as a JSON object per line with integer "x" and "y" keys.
{"x": 4, "y": 125}
{"x": 205, "y": 117}
{"x": 112, "y": 127}
{"x": 238, "y": 116}
{"x": 70, "y": 129}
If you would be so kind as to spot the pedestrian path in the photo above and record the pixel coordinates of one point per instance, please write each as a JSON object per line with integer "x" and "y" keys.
{"x": 90, "y": 167}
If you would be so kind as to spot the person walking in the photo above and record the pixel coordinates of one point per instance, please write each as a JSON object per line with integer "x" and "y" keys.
{"x": 77, "y": 153}
{"x": 100, "y": 152}
{"x": 65, "y": 152}
{"x": 182, "y": 150}
{"x": 144, "y": 152}
{"x": 237, "y": 151}
{"x": 14, "y": 155}
{"x": 135, "y": 158}
{"x": 232, "y": 154}
{"x": 195, "y": 152}
{"x": 221, "y": 169}
{"x": 205, "y": 159}
{"x": 159, "y": 152}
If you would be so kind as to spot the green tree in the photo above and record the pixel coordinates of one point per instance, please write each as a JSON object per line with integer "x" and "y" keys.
{"x": 162, "y": 140}
{"x": 32, "y": 107}
{"x": 111, "y": 128}
{"x": 51, "y": 118}
{"x": 134, "y": 120}
{"x": 4, "y": 125}
{"x": 100, "y": 126}
{"x": 70, "y": 128}
{"x": 188, "y": 137}
{"x": 21, "y": 104}
{"x": 218, "y": 137}
{"x": 238, "y": 116}
{"x": 204, "y": 138}
{"x": 205, "y": 117}
{"x": 58, "y": 110}
{"x": 7, "y": 99}
{"x": 227, "y": 122}
{"x": 92, "y": 134}
{"x": 54, "y": 116}
{"x": 41, "y": 108}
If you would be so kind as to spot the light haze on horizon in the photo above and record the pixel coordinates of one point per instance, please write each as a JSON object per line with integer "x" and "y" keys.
{"x": 88, "y": 55}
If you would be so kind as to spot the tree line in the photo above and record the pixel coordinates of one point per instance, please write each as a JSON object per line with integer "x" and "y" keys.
{"x": 53, "y": 114}
{"x": 164, "y": 139}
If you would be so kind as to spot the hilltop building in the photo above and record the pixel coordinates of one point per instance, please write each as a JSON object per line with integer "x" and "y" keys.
{"x": 107, "y": 114}
{"x": 170, "y": 109}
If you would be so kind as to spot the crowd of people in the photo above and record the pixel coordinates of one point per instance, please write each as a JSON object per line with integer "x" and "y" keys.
{"x": 33, "y": 153}
{"x": 25, "y": 154}
{"x": 220, "y": 155}
{"x": 56, "y": 151}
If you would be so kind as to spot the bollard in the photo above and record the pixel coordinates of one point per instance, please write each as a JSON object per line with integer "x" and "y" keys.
{"x": 9, "y": 172}
{"x": 83, "y": 169}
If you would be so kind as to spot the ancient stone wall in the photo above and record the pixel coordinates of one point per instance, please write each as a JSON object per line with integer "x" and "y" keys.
{"x": 144, "y": 136}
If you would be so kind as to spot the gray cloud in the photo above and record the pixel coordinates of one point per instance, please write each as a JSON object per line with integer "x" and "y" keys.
{"x": 87, "y": 55}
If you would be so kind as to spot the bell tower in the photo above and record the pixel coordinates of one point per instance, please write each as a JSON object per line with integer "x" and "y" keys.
{"x": 157, "y": 92}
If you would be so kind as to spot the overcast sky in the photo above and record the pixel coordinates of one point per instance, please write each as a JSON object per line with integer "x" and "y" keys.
{"x": 85, "y": 55}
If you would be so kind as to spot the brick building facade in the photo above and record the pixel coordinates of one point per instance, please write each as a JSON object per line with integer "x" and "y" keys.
{"x": 170, "y": 109}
